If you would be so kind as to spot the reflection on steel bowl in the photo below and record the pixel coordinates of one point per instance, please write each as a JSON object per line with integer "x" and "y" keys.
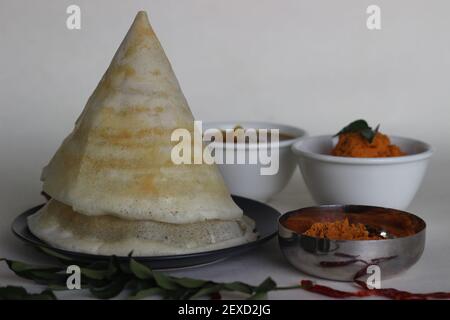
{"x": 401, "y": 245}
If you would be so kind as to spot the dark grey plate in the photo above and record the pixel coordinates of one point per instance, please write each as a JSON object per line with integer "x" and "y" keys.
{"x": 265, "y": 217}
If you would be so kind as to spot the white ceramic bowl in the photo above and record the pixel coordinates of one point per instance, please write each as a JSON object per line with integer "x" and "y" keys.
{"x": 246, "y": 179}
{"x": 384, "y": 182}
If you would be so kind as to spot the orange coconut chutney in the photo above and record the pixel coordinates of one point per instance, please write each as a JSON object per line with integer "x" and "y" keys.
{"x": 353, "y": 144}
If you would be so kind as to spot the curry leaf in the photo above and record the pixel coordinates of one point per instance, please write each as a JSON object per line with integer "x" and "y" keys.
{"x": 112, "y": 289}
{"x": 19, "y": 293}
{"x": 178, "y": 294}
{"x": 362, "y": 127}
{"x": 165, "y": 281}
{"x": 207, "y": 290}
{"x": 239, "y": 286}
{"x": 107, "y": 279}
{"x": 95, "y": 274}
{"x": 144, "y": 293}
{"x": 190, "y": 283}
{"x": 139, "y": 270}
{"x": 267, "y": 285}
{"x": 21, "y": 267}
{"x": 355, "y": 126}
{"x": 41, "y": 275}
{"x": 44, "y": 275}
{"x": 368, "y": 134}
{"x": 59, "y": 287}
{"x": 261, "y": 291}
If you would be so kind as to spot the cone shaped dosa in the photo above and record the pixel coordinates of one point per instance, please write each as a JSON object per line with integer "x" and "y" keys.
{"x": 117, "y": 161}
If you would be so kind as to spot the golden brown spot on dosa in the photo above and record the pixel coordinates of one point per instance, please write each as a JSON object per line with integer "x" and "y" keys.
{"x": 145, "y": 185}
{"x": 161, "y": 95}
{"x": 144, "y": 30}
{"x": 118, "y": 135}
{"x": 153, "y": 131}
{"x": 129, "y": 134}
{"x": 131, "y": 111}
{"x": 131, "y": 50}
{"x": 113, "y": 74}
{"x": 117, "y": 164}
{"x": 124, "y": 69}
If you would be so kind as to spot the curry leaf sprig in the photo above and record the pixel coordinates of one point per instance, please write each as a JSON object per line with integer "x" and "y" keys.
{"x": 19, "y": 293}
{"x": 108, "y": 279}
{"x": 361, "y": 127}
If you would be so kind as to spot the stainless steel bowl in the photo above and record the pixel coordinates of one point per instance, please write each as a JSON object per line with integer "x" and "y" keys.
{"x": 342, "y": 260}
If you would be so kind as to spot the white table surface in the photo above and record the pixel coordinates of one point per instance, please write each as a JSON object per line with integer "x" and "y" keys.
{"x": 312, "y": 64}
{"x": 431, "y": 273}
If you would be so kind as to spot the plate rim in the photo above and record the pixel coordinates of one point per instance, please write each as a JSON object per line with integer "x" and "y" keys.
{"x": 229, "y": 251}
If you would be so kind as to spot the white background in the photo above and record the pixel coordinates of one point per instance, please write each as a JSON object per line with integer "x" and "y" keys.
{"x": 311, "y": 64}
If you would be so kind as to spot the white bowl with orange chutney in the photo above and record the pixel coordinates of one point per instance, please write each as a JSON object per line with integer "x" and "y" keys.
{"x": 385, "y": 182}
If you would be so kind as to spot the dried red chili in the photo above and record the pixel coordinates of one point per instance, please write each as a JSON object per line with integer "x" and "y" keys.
{"x": 215, "y": 296}
{"x": 308, "y": 285}
{"x": 335, "y": 264}
{"x": 389, "y": 293}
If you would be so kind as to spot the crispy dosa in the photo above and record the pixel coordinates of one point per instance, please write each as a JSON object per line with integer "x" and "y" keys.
{"x": 64, "y": 228}
{"x": 117, "y": 160}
